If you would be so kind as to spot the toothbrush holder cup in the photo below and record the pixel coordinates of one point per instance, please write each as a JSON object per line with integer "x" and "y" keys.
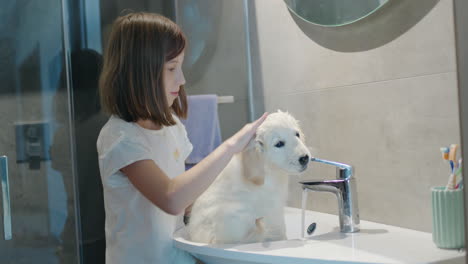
{"x": 448, "y": 219}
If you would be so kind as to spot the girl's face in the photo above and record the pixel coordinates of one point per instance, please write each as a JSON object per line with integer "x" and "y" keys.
{"x": 173, "y": 78}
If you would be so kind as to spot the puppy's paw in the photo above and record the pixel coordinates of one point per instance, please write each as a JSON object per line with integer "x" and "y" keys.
{"x": 256, "y": 233}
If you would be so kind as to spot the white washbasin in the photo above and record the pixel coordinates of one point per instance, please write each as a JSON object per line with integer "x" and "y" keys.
{"x": 375, "y": 243}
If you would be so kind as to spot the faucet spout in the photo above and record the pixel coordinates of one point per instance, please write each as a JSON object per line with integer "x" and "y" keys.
{"x": 344, "y": 187}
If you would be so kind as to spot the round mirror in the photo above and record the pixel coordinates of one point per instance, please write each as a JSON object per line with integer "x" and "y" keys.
{"x": 332, "y": 13}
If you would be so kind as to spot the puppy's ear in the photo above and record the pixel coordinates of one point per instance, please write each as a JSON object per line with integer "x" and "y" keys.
{"x": 301, "y": 134}
{"x": 252, "y": 162}
{"x": 259, "y": 145}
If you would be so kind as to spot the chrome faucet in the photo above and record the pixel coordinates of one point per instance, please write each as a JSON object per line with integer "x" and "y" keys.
{"x": 345, "y": 189}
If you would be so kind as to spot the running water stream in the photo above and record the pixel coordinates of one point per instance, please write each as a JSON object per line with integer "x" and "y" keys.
{"x": 304, "y": 202}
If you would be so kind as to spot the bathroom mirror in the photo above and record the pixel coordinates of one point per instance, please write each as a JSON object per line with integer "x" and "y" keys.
{"x": 333, "y": 13}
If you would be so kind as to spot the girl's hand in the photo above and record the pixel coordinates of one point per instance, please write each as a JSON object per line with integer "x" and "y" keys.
{"x": 239, "y": 140}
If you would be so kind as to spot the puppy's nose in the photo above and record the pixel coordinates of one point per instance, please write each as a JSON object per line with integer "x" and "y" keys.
{"x": 304, "y": 160}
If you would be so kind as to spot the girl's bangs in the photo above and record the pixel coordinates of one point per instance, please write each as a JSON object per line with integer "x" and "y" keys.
{"x": 176, "y": 46}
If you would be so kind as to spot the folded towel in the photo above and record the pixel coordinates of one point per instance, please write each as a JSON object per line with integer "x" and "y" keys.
{"x": 202, "y": 126}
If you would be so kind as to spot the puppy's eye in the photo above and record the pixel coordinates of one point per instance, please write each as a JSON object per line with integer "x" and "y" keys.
{"x": 297, "y": 135}
{"x": 279, "y": 144}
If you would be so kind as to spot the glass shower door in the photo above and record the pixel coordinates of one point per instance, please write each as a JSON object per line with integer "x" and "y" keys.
{"x": 35, "y": 137}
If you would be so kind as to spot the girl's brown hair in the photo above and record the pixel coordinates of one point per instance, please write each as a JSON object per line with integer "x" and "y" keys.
{"x": 131, "y": 82}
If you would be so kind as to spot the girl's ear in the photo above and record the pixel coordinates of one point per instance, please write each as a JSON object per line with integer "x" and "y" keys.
{"x": 252, "y": 162}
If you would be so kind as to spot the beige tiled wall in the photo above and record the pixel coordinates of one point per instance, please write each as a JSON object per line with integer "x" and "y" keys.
{"x": 385, "y": 104}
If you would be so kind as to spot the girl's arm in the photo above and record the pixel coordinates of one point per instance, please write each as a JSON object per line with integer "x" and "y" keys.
{"x": 174, "y": 195}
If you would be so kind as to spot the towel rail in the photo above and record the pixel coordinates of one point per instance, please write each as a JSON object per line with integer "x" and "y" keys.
{"x": 225, "y": 99}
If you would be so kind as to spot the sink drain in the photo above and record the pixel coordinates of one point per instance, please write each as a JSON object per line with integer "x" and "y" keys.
{"x": 311, "y": 228}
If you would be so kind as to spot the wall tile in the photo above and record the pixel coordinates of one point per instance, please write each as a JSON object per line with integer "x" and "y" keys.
{"x": 391, "y": 132}
{"x": 293, "y": 61}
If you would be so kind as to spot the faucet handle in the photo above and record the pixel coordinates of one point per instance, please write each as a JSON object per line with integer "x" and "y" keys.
{"x": 343, "y": 171}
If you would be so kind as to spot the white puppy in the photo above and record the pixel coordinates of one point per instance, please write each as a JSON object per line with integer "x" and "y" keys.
{"x": 246, "y": 201}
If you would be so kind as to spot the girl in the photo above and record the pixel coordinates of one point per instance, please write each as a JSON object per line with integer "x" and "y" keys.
{"x": 143, "y": 146}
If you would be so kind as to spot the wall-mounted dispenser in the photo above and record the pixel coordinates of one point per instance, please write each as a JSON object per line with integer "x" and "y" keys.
{"x": 32, "y": 143}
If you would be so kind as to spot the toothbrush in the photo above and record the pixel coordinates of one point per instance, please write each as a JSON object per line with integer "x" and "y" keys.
{"x": 445, "y": 153}
{"x": 445, "y": 156}
{"x": 453, "y": 153}
{"x": 458, "y": 175}
{"x": 452, "y": 182}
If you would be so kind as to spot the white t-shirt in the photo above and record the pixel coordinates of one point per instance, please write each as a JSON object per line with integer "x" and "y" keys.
{"x": 137, "y": 231}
